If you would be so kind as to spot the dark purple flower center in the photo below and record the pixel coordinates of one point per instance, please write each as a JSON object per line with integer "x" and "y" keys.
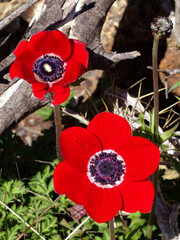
{"x": 49, "y": 68}
{"x": 106, "y": 169}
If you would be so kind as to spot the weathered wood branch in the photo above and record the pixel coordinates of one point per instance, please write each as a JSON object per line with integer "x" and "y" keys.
{"x": 16, "y": 13}
{"x": 87, "y": 26}
{"x": 13, "y": 109}
{"x": 167, "y": 218}
{"x": 176, "y": 30}
{"x": 80, "y": 19}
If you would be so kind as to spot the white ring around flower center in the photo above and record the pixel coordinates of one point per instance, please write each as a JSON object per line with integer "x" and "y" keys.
{"x": 92, "y": 178}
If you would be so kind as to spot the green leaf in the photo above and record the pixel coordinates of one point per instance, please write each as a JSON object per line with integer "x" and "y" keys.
{"x": 178, "y": 98}
{"x": 50, "y": 186}
{"x": 56, "y": 237}
{"x": 134, "y": 235}
{"x": 7, "y": 186}
{"x": 2, "y": 235}
{"x": 19, "y": 211}
{"x": 47, "y": 173}
{"x": 121, "y": 237}
{"x": 134, "y": 215}
{"x": 102, "y": 226}
{"x": 7, "y": 197}
{"x": 151, "y": 124}
{"x": 98, "y": 238}
{"x": 48, "y": 225}
{"x": 12, "y": 232}
{"x": 175, "y": 85}
{"x": 64, "y": 223}
{"x": 145, "y": 229}
{"x": 138, "y": 222}
{"x": 88, "y": 225}
{"x": 17, "y": 187}
{"x": 45, "y": 112}
{"x": 106, "y": 235}
{"x": 167, "y": 134}
{"x": 141, "y": 118}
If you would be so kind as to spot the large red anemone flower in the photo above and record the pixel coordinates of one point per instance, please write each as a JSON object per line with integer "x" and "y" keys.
{"x": 105, "y": 169}
{"x": 50, "y": 61}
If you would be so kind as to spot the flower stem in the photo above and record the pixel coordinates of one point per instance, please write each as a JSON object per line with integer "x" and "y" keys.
{"x": 58, "y": 126}
{"x": 155, "y": 85}
{"x": 111, "y": 229}
{"x": 155, "y": 128}
{"x": 152, "y": 213}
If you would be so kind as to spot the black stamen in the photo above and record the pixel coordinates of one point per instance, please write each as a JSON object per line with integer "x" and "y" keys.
{"x": 49, "y": 68}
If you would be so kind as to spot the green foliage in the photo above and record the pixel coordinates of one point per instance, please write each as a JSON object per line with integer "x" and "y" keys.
{"x": 146, "y": 130}
{"x": 138, "y": 223}
{"x": 169, "y": 133}
{"x": 175, "y": 85}
{"x": 27, "y": 204}
{"x": 11, "y": 233}
{"x": 45, "y": 112}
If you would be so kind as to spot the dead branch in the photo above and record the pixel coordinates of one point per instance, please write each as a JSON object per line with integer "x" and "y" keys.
{"x": 70, "y": 113}
{"x": 167, "y": 218}
{"x": 177, "y": 21}
{"x": 16, "y": 105}
{"x": 16, "y": 13}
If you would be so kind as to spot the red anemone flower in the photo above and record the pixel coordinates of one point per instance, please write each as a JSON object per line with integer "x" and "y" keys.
{"x": 50, "y": 61}
{"x": 105, "y": 169}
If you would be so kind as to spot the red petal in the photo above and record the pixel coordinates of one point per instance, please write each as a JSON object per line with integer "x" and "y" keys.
{"x": 80, "y": 52}
{"x": 77, "y": 146}
{"x": 77, "y": 63}
{"x": 21, "y": 47}
{"x": 18, "y": 69}
{"x": 61, "y": 94}
{"x": 141, "y": 157}
{"x": 102, "y": 204}
{"x": 39, "y": 42}
{"x": 24, "y": 54}
{"x": 70, "y": 182}
{"x": 137, "y": 196}
{"x": 55, "y": 42}
{"x": 44, "y": 42}
{"x": 72, "y": 72}
{"x": 39, "y": 86}
{"x": 60, "y": 45}
{"x": 110, "y": 128}
{"x": 40, "y": 94}
{"x": 39, "y": 89}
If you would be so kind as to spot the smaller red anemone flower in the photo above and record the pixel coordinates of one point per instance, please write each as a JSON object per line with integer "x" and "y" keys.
{"x": 105, "y": 169}
{"x": 50, "y": 61}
